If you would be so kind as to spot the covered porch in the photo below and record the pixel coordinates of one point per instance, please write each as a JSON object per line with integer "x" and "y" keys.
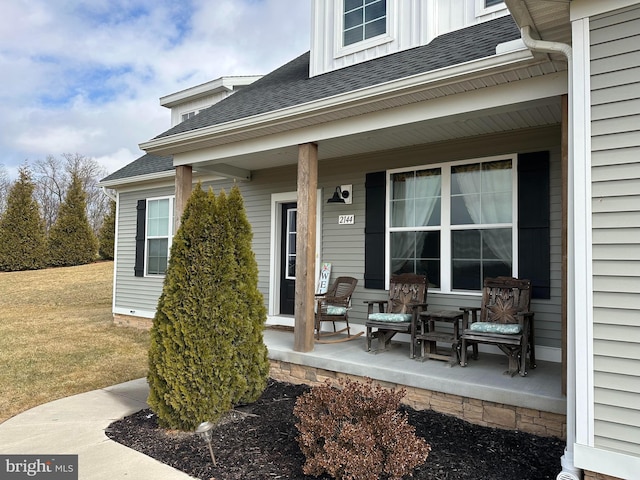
{"x": 479, "y": 393}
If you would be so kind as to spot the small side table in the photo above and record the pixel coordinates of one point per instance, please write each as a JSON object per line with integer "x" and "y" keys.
{"x": 429, "y": 335}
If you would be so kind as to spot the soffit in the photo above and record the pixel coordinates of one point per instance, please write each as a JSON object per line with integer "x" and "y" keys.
{"x": 549, "y": 18}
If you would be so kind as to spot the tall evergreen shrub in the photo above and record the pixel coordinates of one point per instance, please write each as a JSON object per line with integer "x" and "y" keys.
{"x": 22, "y": 234}
{"x": 71, "y": 240}
{"x": 208, "y": 326}
{"x": 107, "y": 234}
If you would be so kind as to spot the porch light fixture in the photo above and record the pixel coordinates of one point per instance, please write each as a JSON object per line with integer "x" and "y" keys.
{"x": 342, "y": 194}
{"x": 205, "y": 430}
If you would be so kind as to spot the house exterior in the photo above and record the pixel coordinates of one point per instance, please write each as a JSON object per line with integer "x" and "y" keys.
{"x": 475, "y": 138}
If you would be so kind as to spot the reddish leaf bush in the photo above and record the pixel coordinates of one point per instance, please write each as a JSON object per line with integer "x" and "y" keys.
{"x": 357, "y": 433}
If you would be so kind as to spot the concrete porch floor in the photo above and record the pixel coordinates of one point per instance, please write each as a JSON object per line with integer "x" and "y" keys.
{"x": 483, "y": 379}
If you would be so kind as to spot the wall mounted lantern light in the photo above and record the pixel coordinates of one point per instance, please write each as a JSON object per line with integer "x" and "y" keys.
{"x": 342, "y": 194}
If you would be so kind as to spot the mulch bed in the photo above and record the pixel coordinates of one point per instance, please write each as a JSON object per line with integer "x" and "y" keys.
{"x": 262, "y": 445}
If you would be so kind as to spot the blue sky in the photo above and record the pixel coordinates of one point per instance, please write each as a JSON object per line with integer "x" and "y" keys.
{"x": 85, "y": 76}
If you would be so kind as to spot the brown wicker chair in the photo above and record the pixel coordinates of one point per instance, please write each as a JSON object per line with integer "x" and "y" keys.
{"x": 334, "y": 305}
{"x": 505, "y": 321}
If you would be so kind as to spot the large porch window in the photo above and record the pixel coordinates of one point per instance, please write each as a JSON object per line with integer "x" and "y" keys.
{"x": 454, "y": 222}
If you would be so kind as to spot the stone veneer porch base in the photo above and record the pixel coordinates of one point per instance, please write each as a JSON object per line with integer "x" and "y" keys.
{"x": 479, "y": 412}
{"x": 598, "y": 476}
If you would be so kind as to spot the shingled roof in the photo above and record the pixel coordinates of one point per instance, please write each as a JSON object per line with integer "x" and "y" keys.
{"x": 290, "y": 85}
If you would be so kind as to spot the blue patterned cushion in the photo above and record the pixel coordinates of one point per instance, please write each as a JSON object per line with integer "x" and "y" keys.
{"x": 335, "y": 310}
{"x": 489, "y": 327}
{"x": 390, "y": 317}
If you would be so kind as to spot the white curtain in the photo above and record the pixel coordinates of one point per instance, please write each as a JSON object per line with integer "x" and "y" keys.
{"x": 489, "y": 208}
{"x": 425, "y": 187}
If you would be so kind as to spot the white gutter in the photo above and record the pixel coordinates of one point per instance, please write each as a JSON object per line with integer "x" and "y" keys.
{"x": 109, "y": 194}
{"x": 569, "y": 471}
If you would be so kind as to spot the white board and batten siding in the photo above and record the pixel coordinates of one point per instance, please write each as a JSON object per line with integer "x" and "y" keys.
{"x": 615, "y": 176}
{"x": 410, "y": 23}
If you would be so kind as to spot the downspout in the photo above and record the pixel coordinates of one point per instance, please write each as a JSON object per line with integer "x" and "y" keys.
{"x": 109, "y": 194}
{"x": 569, "y": 471}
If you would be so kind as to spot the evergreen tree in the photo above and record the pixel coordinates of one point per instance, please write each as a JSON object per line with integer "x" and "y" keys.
{"x": 22, "y": 235}
{"x": 251, "y": 351}
{"x": 107, "y": 234}
{"x": 71, "y": 240}
{"x": 203, "y": 336}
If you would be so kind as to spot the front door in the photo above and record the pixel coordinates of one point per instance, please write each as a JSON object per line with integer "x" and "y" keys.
{"x": 288, "y": 259}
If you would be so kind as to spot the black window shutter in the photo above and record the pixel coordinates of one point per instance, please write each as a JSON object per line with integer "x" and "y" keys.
{"x": 140, "y": 237}
{"x": 534, "y": 257}
{"x": 374, "y": 234}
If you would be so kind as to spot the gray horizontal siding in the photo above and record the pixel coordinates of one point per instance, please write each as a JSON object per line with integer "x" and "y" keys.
{"x": 615, "y": 174}
{"x": 343, "y": 245}
{"x": 134, "y": 293}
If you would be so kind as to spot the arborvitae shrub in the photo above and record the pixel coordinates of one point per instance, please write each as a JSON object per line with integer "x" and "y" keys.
{"x": 357, "y": 433}
{"x": 206, "y": 324}
{"x": 22, "y": 235}
{"x": 107, "y": 234}
{"x": 71, "y": 240}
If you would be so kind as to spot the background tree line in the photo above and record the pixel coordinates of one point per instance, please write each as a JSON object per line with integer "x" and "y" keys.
{"x": 54, "y": 214}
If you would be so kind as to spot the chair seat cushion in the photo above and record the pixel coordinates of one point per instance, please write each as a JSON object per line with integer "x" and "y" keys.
{"x": 491, "y": 327}
{"x": 390, "y": 317}
{"x": 335, "y": 310}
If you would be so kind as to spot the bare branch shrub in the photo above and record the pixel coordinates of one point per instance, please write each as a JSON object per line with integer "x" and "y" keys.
{"x": 357, "y": 433}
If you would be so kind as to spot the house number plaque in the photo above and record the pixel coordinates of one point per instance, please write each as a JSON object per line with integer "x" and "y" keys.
{"x": 345, "y": 219}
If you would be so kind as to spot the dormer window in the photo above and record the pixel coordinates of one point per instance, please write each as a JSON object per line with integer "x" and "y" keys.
{"x": 363, "y": 19}
{"x": 188, "y": 115}
{"x": 491, "y": 3}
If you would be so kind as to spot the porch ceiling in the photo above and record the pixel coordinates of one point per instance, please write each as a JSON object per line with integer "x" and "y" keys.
{"x": 536, "y": 113}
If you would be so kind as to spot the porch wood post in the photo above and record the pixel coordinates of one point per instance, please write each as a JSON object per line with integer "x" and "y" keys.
{"x": 564, "y": 195}
{"x": 184, "y": 177}
{"x": 305, "y": 246}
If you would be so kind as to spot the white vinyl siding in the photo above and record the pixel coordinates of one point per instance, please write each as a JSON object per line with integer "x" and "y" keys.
{"x": 410, "y": 23}
{"x": 615, "y": 173}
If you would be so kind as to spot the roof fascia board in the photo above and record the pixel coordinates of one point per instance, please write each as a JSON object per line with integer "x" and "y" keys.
{"x": 589, "y": 8}
{"x": 498, "y": 96}
{"x": 221, "y": 84}
{"x": 152, "y": 177}
{"x": 406, "y": 85}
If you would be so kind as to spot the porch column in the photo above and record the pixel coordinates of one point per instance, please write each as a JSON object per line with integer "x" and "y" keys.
{"x": 305, "y": 246}
{"x": 184, "y": 176}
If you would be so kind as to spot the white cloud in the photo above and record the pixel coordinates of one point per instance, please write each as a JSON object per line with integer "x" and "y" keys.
{"x": 85, "y": 77}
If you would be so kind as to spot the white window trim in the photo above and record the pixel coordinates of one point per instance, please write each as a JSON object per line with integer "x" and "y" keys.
{"x": 481, "y": 10}
{"x": 147, "y": 237}
{"x": 389, "y": 36}
{"x": 288, "y": 247}
{"x": 445, "y": 221}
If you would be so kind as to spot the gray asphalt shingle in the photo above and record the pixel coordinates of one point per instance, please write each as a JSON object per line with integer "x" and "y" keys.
{"x": 290, "y": 84}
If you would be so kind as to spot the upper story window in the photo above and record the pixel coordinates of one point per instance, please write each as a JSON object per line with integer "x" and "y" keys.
{"x": 484, "y": 7}
{"x": 363, "y": 19}
{"x": 159, "y": 233}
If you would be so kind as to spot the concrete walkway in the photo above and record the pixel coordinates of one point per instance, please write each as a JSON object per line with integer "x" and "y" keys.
{"x": 75, "y": 425}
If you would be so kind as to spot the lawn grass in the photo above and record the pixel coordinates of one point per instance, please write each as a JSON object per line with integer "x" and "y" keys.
{"x": 57, "y": 336}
